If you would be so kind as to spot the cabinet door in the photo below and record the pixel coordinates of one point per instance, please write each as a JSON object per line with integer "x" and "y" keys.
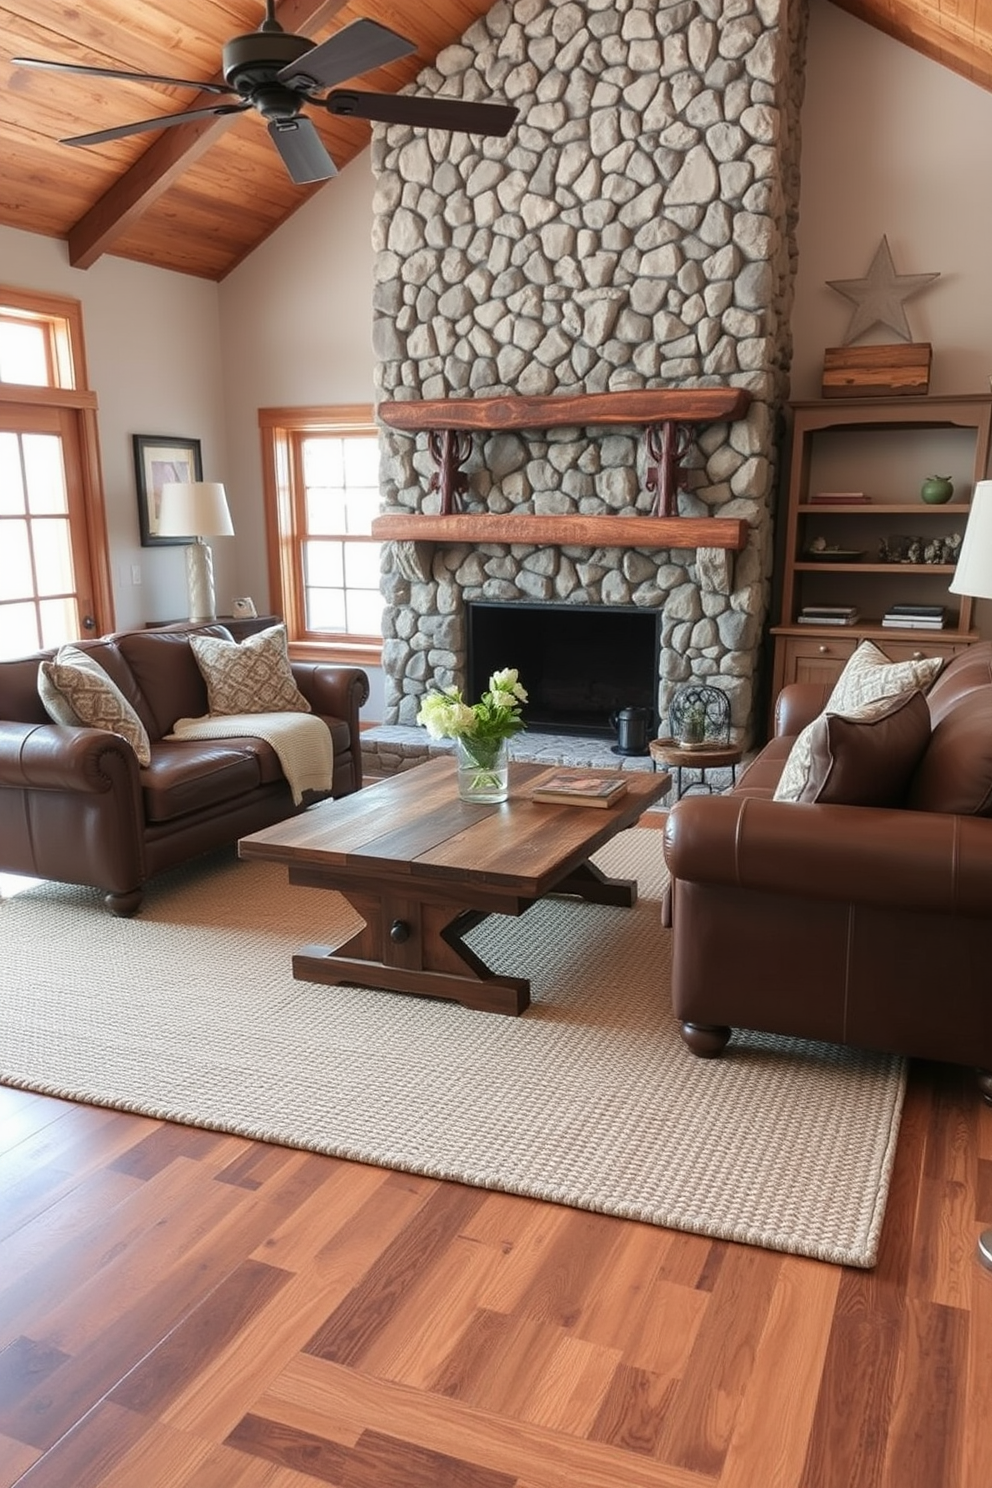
{"x": 816, "y": 659}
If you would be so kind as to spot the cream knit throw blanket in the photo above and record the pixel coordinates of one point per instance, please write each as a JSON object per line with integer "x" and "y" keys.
{"x": 301, "y": 740}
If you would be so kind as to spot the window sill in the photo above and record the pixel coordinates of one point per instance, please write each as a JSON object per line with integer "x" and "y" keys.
{"x": 341, "y": 653}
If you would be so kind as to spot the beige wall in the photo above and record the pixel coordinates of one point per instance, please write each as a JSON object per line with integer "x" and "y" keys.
{"x": 154, "y": 356}
{"x": 296, "y": 326}
{"x": 893, "y": 144}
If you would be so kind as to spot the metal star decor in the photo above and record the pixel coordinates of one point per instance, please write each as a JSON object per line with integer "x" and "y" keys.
{"x": 879, "y": 296}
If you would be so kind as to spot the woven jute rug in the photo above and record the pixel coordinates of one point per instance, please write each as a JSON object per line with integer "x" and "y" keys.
{"x": 190, "y": 1013}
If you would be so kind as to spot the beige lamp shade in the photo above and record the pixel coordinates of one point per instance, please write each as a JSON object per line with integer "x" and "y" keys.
{"x": 973, "y": 574}
{"x": 194, "y": 509}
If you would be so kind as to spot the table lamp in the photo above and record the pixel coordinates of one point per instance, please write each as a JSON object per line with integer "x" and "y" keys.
{"x": 196, "y": 509}
{"x": 973, "y": 574}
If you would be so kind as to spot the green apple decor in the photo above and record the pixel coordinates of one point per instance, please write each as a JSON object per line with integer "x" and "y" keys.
{"x": 937, "y": 489}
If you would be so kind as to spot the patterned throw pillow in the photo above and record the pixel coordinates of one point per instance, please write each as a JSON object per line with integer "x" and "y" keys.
{"x": 867, "y": 756}
{"x": 75, "y": 689}
{"x": 868, "y": 675}
{"x": 251, "y": 677}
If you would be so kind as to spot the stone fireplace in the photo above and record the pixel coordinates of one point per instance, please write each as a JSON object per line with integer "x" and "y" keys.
{"x": 634, "y": 231}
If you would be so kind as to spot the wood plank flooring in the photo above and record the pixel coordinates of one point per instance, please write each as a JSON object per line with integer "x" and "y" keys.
{"x": 185, "y": 1309}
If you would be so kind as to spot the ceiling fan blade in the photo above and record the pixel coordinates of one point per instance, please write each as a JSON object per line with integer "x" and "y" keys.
{"x": 165, "y": 121}
{"x": 113, "y": 72}
{"x": 302, "y": 150}
{"x": 348, "y": 53}
{"x": 424, "y": 113}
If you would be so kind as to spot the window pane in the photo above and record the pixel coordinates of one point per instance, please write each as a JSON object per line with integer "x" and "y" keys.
{"x": 23, "y": 353}
{"x": 361, "y": 505}
{"x": 44, "y": 473}
{"x": 361, "y": 462}
{"x": 11, "y": 484}
{"x": 324, "y": 563}
{"x": 16, "y": 581}
{"x": 325, "y": 511}
{"x": 364, "y": 612}
{"x": 18, "y": 630}
{"x": 361, "y": 566}
{"x": 323, "y": 462}
{"x": 59, "y": 621}
{"x": 52, "y": 556}
{"x": 325, "y": 609}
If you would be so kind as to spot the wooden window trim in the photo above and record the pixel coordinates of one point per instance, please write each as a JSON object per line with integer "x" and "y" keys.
{"x": 282, "y": 490}
{"x": 68, "y": 348}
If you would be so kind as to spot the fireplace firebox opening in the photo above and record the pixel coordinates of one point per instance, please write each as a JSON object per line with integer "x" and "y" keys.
{"x": 580, "y": 664}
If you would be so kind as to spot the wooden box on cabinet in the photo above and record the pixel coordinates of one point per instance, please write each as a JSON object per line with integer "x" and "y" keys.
{"x": 883, "y": 448}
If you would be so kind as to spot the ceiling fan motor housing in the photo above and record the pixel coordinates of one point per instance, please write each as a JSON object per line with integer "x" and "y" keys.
{"x": 252, "y": 61}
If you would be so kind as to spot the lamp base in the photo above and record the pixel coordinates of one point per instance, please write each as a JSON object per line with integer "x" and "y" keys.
{"x": 200, "y": 583}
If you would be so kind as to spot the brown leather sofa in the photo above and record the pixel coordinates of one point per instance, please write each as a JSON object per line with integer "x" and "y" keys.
{"x": 74, "y": 805}
{"x": 854, "y": 924}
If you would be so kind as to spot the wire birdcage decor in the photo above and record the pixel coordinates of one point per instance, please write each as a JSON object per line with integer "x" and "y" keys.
{"x": 699, "y": 717}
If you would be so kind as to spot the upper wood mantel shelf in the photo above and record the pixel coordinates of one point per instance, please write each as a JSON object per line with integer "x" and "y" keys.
{"x": 577, "y": 532}
{"x": 635, "y": 406}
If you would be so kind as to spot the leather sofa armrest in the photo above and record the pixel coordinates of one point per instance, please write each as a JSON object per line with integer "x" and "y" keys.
{"x": 54, "y": 757}
{"x": 798, "y": 704}
{"x": 333, "y": 691}
{"x": 900, "y": 859}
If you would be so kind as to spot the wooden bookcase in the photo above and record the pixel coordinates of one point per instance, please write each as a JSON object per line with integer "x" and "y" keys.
{"x": 885, "y": 448}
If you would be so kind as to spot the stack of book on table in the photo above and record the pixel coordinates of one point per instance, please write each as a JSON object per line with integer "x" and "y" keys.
{"x": 572, "y": 787}
{"x": 828, "y": 615}
{"x": 915, "y": 617}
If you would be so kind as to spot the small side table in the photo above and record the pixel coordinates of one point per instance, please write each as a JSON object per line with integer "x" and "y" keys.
{"x": 677, "y": 758}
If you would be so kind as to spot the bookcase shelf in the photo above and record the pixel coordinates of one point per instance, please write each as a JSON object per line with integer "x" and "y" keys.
{"x": 884, "y": 447}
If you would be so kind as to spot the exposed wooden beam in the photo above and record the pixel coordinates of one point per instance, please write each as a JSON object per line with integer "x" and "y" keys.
{"x": 173, "y": 153}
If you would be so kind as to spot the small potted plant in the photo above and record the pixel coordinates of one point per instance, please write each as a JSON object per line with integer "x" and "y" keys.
{"x": 692, "y": 729}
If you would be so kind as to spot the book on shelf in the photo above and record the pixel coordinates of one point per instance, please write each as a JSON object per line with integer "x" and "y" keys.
{"x": 839, "y": 498}
{"x": 828, "y": 615}
{"x": 579, "y": 788}
{"x": 925, "y": 612}
{"x": 910, "y": 622}
{"x": 826, "y": 619}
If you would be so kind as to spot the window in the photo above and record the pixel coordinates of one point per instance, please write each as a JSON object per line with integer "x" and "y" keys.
{"x": 322, "y": 492}
{"x": 54, "y": 570}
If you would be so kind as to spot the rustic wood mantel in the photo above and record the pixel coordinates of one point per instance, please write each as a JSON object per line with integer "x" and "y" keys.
{"x": 635, "y": 406}
{"x": 666, "y": 413}
{"x": 578, "y": 532}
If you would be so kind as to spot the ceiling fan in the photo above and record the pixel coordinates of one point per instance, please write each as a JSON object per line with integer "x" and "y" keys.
{"x": 277, "y": 73}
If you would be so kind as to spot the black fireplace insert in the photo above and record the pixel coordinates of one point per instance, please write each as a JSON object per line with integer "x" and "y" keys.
{"x": 580, "y": 664}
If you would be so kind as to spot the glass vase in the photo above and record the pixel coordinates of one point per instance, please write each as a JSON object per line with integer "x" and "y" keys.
{"x": 483, "y": 769}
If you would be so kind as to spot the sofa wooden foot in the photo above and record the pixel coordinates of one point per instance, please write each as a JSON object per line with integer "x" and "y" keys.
{"x": 707, "y": 1040}
{"x": 124, "y": 905}
{"x": 985, "y": 1084}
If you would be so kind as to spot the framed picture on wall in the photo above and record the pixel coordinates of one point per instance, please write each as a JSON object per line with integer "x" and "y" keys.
{"x": 159, "y": 458}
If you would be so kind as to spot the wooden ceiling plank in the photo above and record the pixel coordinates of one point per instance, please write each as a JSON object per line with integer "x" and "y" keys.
{"x": 171, "y": 154}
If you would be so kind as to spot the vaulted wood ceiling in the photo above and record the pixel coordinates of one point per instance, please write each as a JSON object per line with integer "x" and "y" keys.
{"x": 199, "y": 197}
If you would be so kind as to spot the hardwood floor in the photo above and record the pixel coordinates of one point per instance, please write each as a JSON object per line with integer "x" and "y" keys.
{"x": 185, "y": 1309}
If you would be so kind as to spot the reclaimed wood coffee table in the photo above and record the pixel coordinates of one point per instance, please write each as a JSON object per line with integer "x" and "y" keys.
{"x": 422, "y": 868}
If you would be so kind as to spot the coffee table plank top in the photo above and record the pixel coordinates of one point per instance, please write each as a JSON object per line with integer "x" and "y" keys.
{"x": 414, "y": 824}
